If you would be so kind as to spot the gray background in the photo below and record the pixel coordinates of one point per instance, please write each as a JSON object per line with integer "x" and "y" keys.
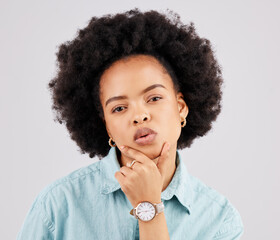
{"x": 239, "y": 157}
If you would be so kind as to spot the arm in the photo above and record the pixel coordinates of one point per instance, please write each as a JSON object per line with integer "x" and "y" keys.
{"x": 144, "y": 182}
{"x": 154, "y": 229}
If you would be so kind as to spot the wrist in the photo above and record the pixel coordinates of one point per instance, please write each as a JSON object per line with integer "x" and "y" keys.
{"x": 151, "y": 200}
{"x": 147, "y": 210}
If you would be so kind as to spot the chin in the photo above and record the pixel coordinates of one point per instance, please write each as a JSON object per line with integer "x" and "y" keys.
{"x": 152, "y": 152}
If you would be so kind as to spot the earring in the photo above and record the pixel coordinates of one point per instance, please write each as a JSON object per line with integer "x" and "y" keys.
{"x": 110, "y": 142}
{"x": 184, "y": 123}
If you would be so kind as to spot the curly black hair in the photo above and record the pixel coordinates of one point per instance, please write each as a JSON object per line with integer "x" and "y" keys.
{"x": 188, "y": 59}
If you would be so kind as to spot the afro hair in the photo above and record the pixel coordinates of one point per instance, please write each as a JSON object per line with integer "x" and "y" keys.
{"x": 188, "y": 59}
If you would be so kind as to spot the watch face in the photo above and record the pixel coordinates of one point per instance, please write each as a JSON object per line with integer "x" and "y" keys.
{"x": 145, "y": 211}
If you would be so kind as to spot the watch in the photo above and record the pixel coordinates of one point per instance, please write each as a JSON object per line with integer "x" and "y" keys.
{"x": 146, "y": 211}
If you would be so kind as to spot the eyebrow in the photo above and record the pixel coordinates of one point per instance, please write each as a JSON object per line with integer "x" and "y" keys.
{"x": 125, "y": 97}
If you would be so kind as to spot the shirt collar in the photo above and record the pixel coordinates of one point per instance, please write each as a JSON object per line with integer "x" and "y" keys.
{"x": 180, "y": 185}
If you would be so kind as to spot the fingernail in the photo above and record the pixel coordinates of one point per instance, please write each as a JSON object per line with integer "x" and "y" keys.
{"x": 122, "y": 147}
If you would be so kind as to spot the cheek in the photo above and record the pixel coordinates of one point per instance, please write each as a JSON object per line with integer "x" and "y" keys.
{"x": 173, "y": 112}
{"x": 117, "y": 128}
{"x": 171, "y": 123}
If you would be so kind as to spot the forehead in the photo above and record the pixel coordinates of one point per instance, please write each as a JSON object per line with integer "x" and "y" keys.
{"x": 133, "y": 74}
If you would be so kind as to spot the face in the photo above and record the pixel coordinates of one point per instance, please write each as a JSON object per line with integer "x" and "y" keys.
{"x": 159, "y": 108}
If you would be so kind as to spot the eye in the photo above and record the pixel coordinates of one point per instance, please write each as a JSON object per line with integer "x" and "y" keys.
{"x": 114, "y": 110}
{"x": 119, "y": 108}
{"x": 154, "y": 98}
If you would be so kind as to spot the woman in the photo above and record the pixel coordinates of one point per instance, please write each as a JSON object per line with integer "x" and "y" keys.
{"x": 132, "y": 80}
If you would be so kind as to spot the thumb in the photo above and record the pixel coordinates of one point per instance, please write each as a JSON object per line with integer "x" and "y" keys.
{"x": 163, "y": 157}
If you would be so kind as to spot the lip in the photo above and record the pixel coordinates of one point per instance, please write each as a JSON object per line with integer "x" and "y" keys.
{"x": 143, "y": 131}
{"x": 146, "y": 140}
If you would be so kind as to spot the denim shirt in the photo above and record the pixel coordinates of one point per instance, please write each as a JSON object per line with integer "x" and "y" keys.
{"x": 90, "y": 204}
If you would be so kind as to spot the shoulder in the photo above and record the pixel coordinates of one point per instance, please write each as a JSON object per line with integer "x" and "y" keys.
{"x": 218, "y": 207}
{"x": 74, "y": 181}
{"x": 57, "y": 200}
{"x": 204, "y": 192}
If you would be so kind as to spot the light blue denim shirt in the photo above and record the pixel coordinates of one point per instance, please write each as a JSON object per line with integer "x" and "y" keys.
{"x": 89, "y": 204}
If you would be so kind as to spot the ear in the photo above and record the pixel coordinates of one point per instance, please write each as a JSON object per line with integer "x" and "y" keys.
{"x": 182, "y": 106}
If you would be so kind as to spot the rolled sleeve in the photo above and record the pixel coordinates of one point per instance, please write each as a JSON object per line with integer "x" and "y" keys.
{"x": 232, "y": 227}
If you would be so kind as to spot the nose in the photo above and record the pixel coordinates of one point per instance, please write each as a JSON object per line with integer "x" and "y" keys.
{"x": 140, "y": 118}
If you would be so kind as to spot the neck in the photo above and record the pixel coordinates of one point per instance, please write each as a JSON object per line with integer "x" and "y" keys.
{"x": 171, "y": 168}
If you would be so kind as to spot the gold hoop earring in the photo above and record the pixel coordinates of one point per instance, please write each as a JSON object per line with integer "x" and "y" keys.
{"x": 110, "y": 142}
{"x": 184, "y": 123}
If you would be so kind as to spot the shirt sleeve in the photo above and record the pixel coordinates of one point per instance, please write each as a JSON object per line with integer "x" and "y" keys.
{"x": 36, "y": 224}
{"x": 232, "y": 227}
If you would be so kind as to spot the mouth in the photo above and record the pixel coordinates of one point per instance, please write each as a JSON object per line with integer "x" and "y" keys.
{"x": 146, "y": 139}
{"x": 144, "y": 136}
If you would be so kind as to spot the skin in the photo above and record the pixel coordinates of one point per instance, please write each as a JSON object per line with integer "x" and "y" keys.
{"x": 161, "y": 109}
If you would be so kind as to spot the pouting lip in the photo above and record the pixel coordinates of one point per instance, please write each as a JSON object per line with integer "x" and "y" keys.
{"x": 143, "y": 131}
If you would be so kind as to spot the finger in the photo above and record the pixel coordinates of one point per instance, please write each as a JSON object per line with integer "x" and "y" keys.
{"x": 121, "y": 180}
{"x": 120, "y": 177}
{"x": 165, "y": 149}
{"x": 135, "y": 154}
{"x": 137, "y": 167}
{"x": 126, "y": 171}
{"x": 164, "y": 153}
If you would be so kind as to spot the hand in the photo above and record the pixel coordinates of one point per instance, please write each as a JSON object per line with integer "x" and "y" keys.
{"x": 144, "y": 182}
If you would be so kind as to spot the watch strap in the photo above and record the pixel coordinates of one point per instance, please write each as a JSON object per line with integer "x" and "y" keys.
{"x": 159, "y": 208}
